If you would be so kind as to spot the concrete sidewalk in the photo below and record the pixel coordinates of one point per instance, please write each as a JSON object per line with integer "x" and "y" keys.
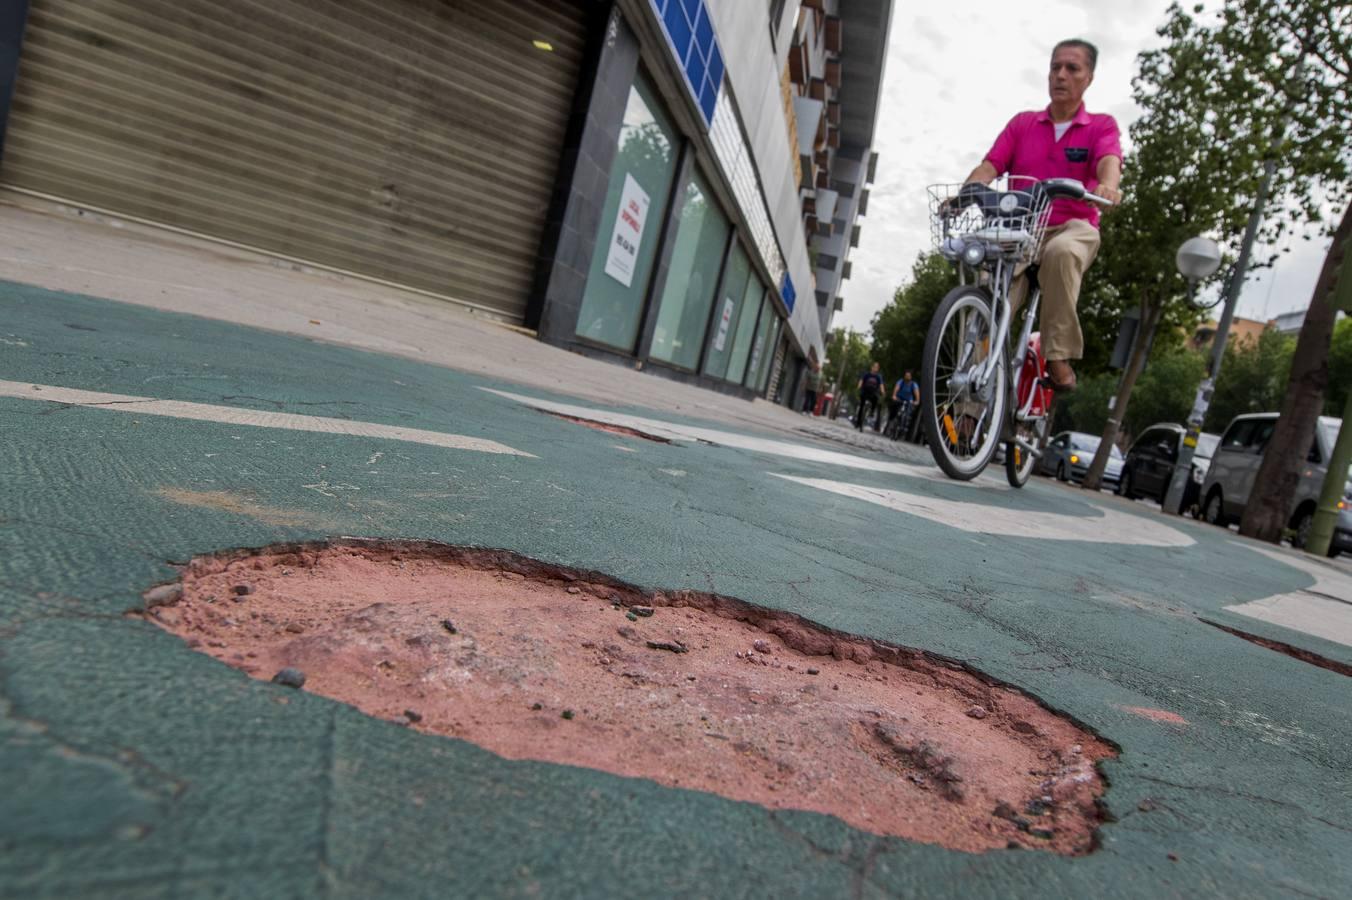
{"x": 137, "y": 439}
{"x": 49, "y": 246}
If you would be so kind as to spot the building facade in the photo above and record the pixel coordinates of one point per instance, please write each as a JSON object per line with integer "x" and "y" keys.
{"x": 670, "y": 184}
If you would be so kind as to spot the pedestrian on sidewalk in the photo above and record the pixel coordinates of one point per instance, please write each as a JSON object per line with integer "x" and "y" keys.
{"x": 814, "y": 386}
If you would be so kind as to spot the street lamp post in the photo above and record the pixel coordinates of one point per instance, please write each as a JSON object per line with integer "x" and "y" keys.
{"x": 1197, "y": 259}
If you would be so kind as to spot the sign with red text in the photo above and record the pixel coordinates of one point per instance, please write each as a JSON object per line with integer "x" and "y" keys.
{"x": 627, "y": 235}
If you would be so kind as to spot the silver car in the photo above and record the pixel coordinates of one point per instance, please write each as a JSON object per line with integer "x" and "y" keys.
{"x": 1229, "y": 480}
{"x": 1070, "y": 454}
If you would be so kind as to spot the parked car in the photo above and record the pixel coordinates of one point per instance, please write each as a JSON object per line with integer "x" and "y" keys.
{"x": 1229, "y": 480}
{"x": 1069, "y": 455}
{"x": 1149, "y": 466}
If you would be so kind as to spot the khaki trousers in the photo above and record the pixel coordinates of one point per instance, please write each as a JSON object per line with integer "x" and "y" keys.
{"x": 1067, "y": 251}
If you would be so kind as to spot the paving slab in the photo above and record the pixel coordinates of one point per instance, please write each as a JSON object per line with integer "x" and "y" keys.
{"x": 137, "y": 767}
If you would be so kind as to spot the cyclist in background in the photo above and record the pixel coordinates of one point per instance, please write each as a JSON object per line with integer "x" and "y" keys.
{"x": 905, "y": 396}
{"x": 870, "y": 394}
{"x": 1062, "y": 141}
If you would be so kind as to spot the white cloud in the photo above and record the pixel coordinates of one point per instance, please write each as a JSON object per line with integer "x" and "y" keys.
{"x": 953, "y": 80}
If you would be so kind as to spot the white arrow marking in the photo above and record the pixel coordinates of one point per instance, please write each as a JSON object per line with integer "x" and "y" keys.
{"x": 1323, "y": 609}
{"x": 1110, "y": 527}
{"x": 235, "y": 415}
{"x": 693, "y": 433}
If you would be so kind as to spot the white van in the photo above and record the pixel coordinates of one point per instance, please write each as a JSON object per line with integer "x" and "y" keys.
{"x": 1229, "y": 480}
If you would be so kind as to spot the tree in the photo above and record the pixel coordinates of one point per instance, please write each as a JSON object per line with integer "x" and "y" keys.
{"x": 1254, "y": 99}
{"x": 1340, "y": 368}
{"x": 1253, "y": 378}
{"x": 1163, "y": 393}
{"x": 1269, "y": 508}
{"x": 1291, "y": 61}
{"x": 847, "y": 355}
{"x": 899, "y": 328}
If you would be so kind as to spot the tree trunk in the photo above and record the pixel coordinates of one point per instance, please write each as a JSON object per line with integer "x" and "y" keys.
{"x": 1140, "y": 351}
{"x": 1268, "y": 511}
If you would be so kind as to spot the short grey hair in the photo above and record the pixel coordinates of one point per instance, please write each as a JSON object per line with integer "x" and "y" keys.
{"x": 1089, "y": 49}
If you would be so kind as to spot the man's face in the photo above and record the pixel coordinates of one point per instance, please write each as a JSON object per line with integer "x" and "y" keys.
{"x": 1069, "y": 75}
{"x": 906, "y": 377}
{"x": 873, "y": 368}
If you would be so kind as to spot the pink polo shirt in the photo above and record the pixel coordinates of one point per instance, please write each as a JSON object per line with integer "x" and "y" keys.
{"x": 1028, "y": 146}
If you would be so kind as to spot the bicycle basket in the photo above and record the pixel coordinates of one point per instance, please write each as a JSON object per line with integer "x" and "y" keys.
{"x": 1010, "y": 215}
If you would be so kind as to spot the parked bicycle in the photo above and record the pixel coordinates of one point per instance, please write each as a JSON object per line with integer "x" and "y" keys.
{"x": 979, "y": 387}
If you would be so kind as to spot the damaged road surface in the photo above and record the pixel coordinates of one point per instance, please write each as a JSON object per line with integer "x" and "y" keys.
{"x": 735, "y": 662}
{"x": 539, "y": 662}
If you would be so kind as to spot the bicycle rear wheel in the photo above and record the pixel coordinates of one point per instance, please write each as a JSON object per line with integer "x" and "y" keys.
{"x": 1019, "y": 463}
{"x": 962, "y": 421}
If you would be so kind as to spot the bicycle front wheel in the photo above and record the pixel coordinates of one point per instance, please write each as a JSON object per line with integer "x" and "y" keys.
{"x": 962, "y": 414}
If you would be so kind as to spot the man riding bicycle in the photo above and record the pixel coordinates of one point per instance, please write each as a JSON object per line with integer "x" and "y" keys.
{"x": 905, "y": 395}
{"x": 1062, "y": 141}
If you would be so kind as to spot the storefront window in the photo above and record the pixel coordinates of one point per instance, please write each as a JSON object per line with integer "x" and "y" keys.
{"x": 726, "y": 313}
{"x": 746, "y": 327}
{"x": 626, "y": 241}
{"x": 763, "y": 348}
{"x": 692, "y": 277}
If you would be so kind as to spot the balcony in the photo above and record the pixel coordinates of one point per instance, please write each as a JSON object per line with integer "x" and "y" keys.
{"x": 833, "y": 138}
{"x": 854, "y": 236}
{"x": 846, "y": 269}
{"x": 833, "y": 112}
{"x": 863, "y": 203}
{"x": 798, "y": 73}
{"x": 833, "y": 34}
{"x": 833, "y": 73}
{"x": 816, "y": 89}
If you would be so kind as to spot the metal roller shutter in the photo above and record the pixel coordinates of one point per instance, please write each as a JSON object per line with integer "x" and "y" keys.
{"x": 414, "y": 141}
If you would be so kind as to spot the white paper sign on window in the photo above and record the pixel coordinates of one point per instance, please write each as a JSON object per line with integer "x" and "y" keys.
{"x": 628, "y": 232}
{"x": 729, "y": 307}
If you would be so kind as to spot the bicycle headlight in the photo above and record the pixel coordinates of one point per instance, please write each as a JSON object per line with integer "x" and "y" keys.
{"x": 951, "y": 248}
{"x": 1009, "y": 204}
{"x": 974, "y": 253}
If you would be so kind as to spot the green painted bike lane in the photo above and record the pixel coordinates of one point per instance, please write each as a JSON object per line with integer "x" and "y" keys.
{"x": 136, "y": 767}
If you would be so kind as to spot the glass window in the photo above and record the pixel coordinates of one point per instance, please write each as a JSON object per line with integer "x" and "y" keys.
{"x": 692, "y": 277}
{"x": 760, "y": 346}
{"x": 1239, "y": 434}
{"x": 767, "y": 355}
{"x": 631, "y": 220}
{"x": 746, "y": 329}
{"x": 726, "y": 313}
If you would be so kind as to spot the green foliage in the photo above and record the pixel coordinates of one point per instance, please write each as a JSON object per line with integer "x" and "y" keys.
{"x": 1340, "y": 369}
{"x": 1253, "y": 378}
{"x": 899, "y": 328}
{"x": 1087, "y": 408}
{"x": 1163, "y": 393}
{"x": 847, "y": 345}
{"x": 1166, "y": 389}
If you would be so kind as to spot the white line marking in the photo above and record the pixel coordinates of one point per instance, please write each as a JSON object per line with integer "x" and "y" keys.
{"x": 692, "y": 433}
{"x": 234, "y": 415}
{"x": 1111, "y": 527}
{"x": 1324, "y": 609}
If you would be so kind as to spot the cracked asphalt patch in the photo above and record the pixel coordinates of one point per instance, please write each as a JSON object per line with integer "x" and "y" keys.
{"x": 167, "y": 773}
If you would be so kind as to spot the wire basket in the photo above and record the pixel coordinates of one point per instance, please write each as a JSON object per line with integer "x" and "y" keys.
{"x": 1010, "y": 215}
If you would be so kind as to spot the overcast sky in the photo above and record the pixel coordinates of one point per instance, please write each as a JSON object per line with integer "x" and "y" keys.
{"x": 955, "y": 74}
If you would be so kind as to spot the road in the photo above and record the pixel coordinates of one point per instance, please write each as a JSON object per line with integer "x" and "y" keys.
{"x": 138, "y": 438}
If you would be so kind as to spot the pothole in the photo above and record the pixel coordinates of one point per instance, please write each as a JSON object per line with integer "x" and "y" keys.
{"x": 688, "y": 689}
{"x": 1305, "y": 656}
{"x": 610, "y": 429}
